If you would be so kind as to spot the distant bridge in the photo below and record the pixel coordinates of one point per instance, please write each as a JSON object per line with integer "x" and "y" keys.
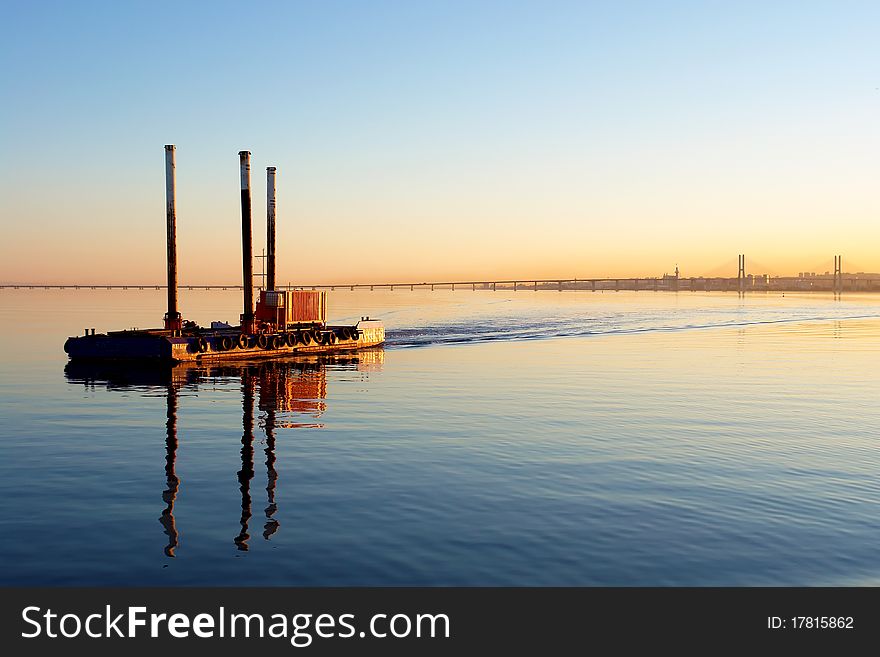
{"x": 828, "y": 283}
{"x": 742, "y": 282}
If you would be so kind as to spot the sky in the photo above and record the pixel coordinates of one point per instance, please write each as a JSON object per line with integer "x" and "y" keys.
{"x": 440, "y": 140}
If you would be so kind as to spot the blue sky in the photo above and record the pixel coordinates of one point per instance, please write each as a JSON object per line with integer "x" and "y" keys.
{"x": 429, "y": 139}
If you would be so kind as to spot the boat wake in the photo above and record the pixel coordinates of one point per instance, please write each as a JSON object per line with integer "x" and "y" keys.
{"x": 529, "y": 328}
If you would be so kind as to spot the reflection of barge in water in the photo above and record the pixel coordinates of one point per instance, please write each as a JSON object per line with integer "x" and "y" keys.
{"x": 291, "y": 393}
{"x": 285, "y": 322}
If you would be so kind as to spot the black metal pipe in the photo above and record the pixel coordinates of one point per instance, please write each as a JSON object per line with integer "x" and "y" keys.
{"x": 270, "y": 228}
{"x": 172, "y": 318}
{"x": 246, "y": 241}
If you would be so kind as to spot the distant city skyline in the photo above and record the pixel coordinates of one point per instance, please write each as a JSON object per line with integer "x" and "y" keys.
{"x": 441, "y": 141}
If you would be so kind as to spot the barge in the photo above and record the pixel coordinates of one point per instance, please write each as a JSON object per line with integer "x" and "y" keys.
{"x": 285, "y": 322}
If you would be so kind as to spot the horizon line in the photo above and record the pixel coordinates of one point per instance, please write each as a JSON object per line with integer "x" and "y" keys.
{"x": 482, "y": 281}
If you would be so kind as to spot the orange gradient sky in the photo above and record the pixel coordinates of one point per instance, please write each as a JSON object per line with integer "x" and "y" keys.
{"x": 443, "y": 142}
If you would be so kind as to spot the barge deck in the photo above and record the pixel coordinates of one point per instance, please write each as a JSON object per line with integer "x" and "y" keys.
{"x": 214, "y": 345}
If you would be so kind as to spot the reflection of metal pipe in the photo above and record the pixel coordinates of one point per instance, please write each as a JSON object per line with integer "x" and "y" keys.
{"x": 172, "y": 318}
{"x": 271, "y": 525}
{"x": 247, "y": 317}
{"x": 270, "y": 228}
{"x": 247, "y": 456}
{"x": 172, "y": 483}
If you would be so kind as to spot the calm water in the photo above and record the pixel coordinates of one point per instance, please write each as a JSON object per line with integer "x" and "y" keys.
{"x": 500, "y": 438}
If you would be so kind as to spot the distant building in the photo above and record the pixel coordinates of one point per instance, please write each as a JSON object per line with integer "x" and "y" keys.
{"x": 672, "y": 277}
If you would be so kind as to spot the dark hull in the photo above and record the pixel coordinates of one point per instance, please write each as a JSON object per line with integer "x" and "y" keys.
{"x": 208, "y": 345}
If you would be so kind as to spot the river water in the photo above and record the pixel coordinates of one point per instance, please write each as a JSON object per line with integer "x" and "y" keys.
{"x": 499, "y": 438}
